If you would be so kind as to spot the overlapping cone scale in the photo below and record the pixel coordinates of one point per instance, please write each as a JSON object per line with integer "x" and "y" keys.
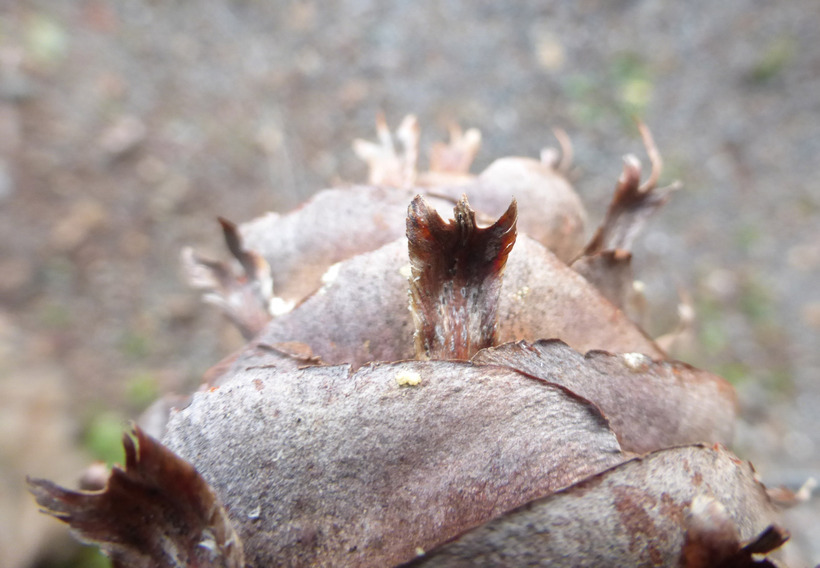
{"x": 638, "y": 513}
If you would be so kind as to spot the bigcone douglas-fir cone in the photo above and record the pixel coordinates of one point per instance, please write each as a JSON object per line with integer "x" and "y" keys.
{"x": 433, "y": 391}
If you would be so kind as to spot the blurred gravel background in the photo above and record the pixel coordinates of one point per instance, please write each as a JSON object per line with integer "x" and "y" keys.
{"x": 126, "y": 127}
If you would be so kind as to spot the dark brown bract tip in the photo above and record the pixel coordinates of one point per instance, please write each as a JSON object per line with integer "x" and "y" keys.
{"x": 157, "y": 512}
{"x": 605, "y": 261}
{"x": 244, "y": 298}
{"x": 633, "y": 203}
{"x": 456, "y": 270}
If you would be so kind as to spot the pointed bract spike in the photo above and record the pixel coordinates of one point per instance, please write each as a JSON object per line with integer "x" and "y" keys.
{"x": 631, "y": 174}
{"x": 564, "y": 163}
{"x": 456, "y": 270}
{"x": 244, "y": 298}
{"x": 655, "y": 158}
{"x": 383, "y": 132}
{"x": 625, "y": 215}
{"x": 408, "y": 131}
{"x": 234, "y": 243}
{"x": 255, "y": 266}
{"x": 203, "y": 273}
{"x": 456, "y": 156}
{"x": 386, "y": 166}
{"x": 232, "y": 238}
{"x": 408, "y": 135}
{"x": 786, "y": 497}
{"x": 769, "y": 540}
{"x": 157, "y": 512}
{"x": 130, "y": 451}
{"x": 632, "y": 204}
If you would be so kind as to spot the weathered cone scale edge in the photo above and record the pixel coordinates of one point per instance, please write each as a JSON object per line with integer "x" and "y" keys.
{"x": 634, "y": 514}
{"x": 651, "y": 404}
